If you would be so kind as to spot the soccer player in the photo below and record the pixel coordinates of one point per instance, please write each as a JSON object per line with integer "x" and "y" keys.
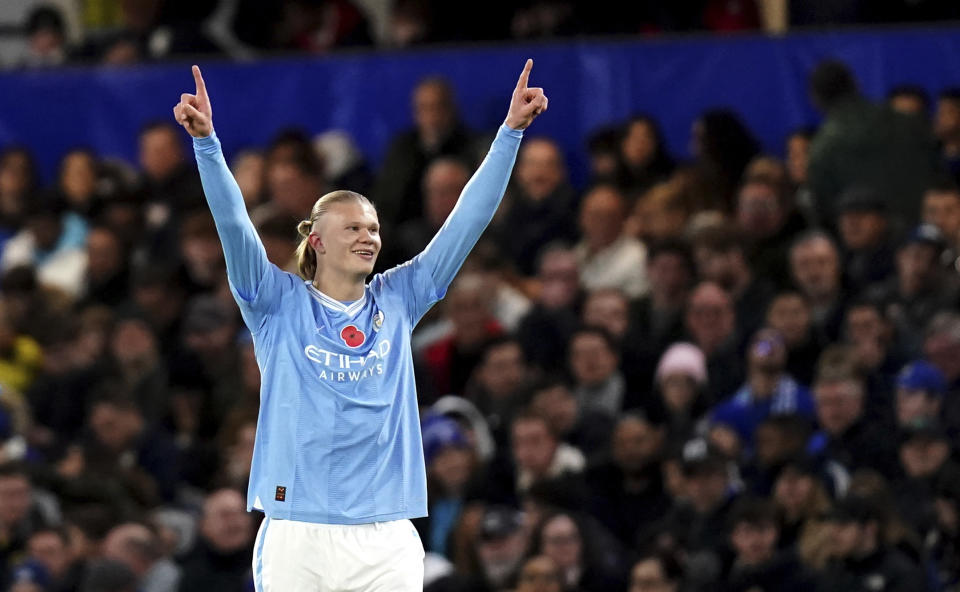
{"x": 338, "y": 463}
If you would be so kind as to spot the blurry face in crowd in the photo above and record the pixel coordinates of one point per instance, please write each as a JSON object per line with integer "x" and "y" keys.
{"x": 104, "y": 254}
{"x": 602, "y": 217}
{"x": 916, "y": 266}
{"x": 754, "y": 543}
{"x": 710, "y": 316}
{"x": 78, "y": 177}
{"x": 539, "y": 574}
{"x": 839, "y": 405}
{"x": 635, "y": 444}
{"x": 639, "y": 144}
{"x": 160, "y": 152}
{"x": 558, "y": 405}
{"x": 500, "y": 557}
{"x": 443, "y": 182}
{"x": 660, "y": 214}
{"x": 846, "y": 538}
{"x": 908, "y": 104}
{"x": 122, "y": 542}
{"x": 226, "y": 524}
{"x": 862, "y": 230}
{"x": 706, "y": 488}
{"x": 559, "y": 276}
{"x": 789, "y": 315}
{"x": 292, "y": 189}
{"x": 115, "y": 427}
{"x": 502, "y": 369}
{"x": 249, "y": 169}
{"x": 648, "y": 576}
{"x": 133, "y": 343}
{"x": 728, "y": 268}
{"x": 51, "y": 551}
{"x": 432, "y": 112}
{"x": 45, "y": 228}
{"x": 14, "y": 175}
{"x": 798, "y": 151}
{"x": 864, "y": 324}
{"x": 678, "y": 391}
{"x": 608, "y": 309}
{"x": 946, "y": 122}
{"x": 922, "y": 457}
{"x": 533, "y": 445}
{"x": 347, "y": 239}
{"x": 561, "y": 542}
{"x": 759, "y": 211}
{"x": 15, "y": 499}
{"x": 451, "y": 467}
{"x": 942, "y": 209}
{"x": 540, "y": 169}
{"x": 591, "y": 359}
{"x": 815, "y": 266}
{"x": 792, "y": 491}
{"x": 913, "y": 405}
{"x": 467, "y": 307}
{"x": 669, "y": 276}
{"x": 943, "y": 351}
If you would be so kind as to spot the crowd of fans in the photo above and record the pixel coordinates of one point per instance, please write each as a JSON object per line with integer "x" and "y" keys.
{"x": 119, "y": 33}
{"x": 734, "y": 373}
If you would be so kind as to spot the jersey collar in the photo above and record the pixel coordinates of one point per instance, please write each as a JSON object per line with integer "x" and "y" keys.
{"x": 333, "y": 304}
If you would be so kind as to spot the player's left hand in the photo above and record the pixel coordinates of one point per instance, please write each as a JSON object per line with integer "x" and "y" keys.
{"x": 527, "y": 103}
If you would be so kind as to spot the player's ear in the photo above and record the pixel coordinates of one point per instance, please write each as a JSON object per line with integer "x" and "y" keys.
{"x": 315, "y": 242}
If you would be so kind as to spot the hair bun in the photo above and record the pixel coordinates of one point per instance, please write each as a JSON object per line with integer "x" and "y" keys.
{"x": 304, "y": 228}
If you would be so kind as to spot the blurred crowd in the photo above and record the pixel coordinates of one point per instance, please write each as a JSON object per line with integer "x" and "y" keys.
{"x": 736, "y": 373}
{"x": 121, "y": 32}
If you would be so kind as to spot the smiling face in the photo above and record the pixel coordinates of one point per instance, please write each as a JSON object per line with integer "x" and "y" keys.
{"x": 347, "y": 239}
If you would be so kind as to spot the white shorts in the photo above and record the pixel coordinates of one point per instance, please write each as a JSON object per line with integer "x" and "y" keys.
{"x": 292, "y": 556}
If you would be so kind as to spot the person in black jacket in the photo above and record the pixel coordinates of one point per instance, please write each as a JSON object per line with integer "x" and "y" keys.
{"x": 221, "y": 559}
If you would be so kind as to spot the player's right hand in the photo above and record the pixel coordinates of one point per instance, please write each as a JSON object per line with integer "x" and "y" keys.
{"x": 193, "y": 112}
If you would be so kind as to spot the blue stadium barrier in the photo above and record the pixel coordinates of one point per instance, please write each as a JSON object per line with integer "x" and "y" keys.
{"x": 590, "y": 83}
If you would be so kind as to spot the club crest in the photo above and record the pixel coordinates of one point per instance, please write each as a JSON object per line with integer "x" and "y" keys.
{"x": 378, "y": 320}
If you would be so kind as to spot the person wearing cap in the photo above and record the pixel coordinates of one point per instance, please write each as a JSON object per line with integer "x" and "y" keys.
{"x": 859, "y": 557}
{"x": 924, "y": 457}
{"x": 681, "y": 384}
{"x": 864, "y": 235}
{"x": 451, "y": 464}
{"x": 920, "y": 287}
{"x": 502, "y": 538}
{"x": 920, "y": 390}
{"x": 768, "y": 391}
{"x": 697, "y": 523}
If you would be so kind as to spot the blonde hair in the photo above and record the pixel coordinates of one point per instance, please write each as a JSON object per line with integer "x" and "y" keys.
{"x": 306, "y": 256}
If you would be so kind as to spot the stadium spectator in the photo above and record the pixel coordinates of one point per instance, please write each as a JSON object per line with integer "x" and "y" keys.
{"x": 437, "y": 132}
{"x": 710, "y": 320}
{"x": 864, "y": 144}
{"x": 221, "y": 557}
{"x": 769, "y": 223}
{"x": 46, "y": 39}
{"x": 816, "y": 270}
{"x": 538, "y": 454}
{"x": 946, "y": 127}
{"x": 659, "y": 572}
{"x": 920, "y": 391}
{"x": 644, "y": 160}
{"x": 545, "y": 330}
{"x": 581, "y": 565}
{"x": 594, "y": 358}
{"x": 443, "y": 180}
{"x": 539, "y": 574}
{"x": 541, "y": 201}
{"x": 50, "y": 547}
{"x": 941, "y": 208}
{"x": 138, "y": 547}
{"x": 909, "y": 99}
{"x": 608, "y": 257}
{"x": 801, "y": 497}
{"x": 865, "y": 237}
{"x": 722, "y": 146}
{"x": 107, "y": 278}
{"x": 754, "y": 533}
{"x": 499, "y": 384}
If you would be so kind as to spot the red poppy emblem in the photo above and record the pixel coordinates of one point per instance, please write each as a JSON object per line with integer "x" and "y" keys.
{"x": 352, "y": 336}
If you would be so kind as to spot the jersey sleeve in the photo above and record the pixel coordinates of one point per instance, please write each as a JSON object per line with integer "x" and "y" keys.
{"x": 425, "y": 278}
{"x": 254, "y": 281}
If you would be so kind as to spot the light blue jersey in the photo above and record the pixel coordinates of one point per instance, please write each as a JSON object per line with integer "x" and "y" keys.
{"x": 338, "y": 436}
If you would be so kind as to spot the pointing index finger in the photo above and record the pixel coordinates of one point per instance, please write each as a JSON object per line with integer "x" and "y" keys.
{"x": 201, "y": 87}
{"x": 525, "y": 75}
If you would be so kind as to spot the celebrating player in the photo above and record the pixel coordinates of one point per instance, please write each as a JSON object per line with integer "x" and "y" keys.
{"x": 338, "y": 463}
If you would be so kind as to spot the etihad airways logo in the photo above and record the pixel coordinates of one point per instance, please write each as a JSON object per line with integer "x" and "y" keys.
{"x": 339, "y": 367}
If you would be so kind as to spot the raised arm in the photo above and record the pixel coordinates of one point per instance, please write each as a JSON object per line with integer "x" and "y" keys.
{"x": 246, "y": 259}
{"x": 480, "y": 198}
